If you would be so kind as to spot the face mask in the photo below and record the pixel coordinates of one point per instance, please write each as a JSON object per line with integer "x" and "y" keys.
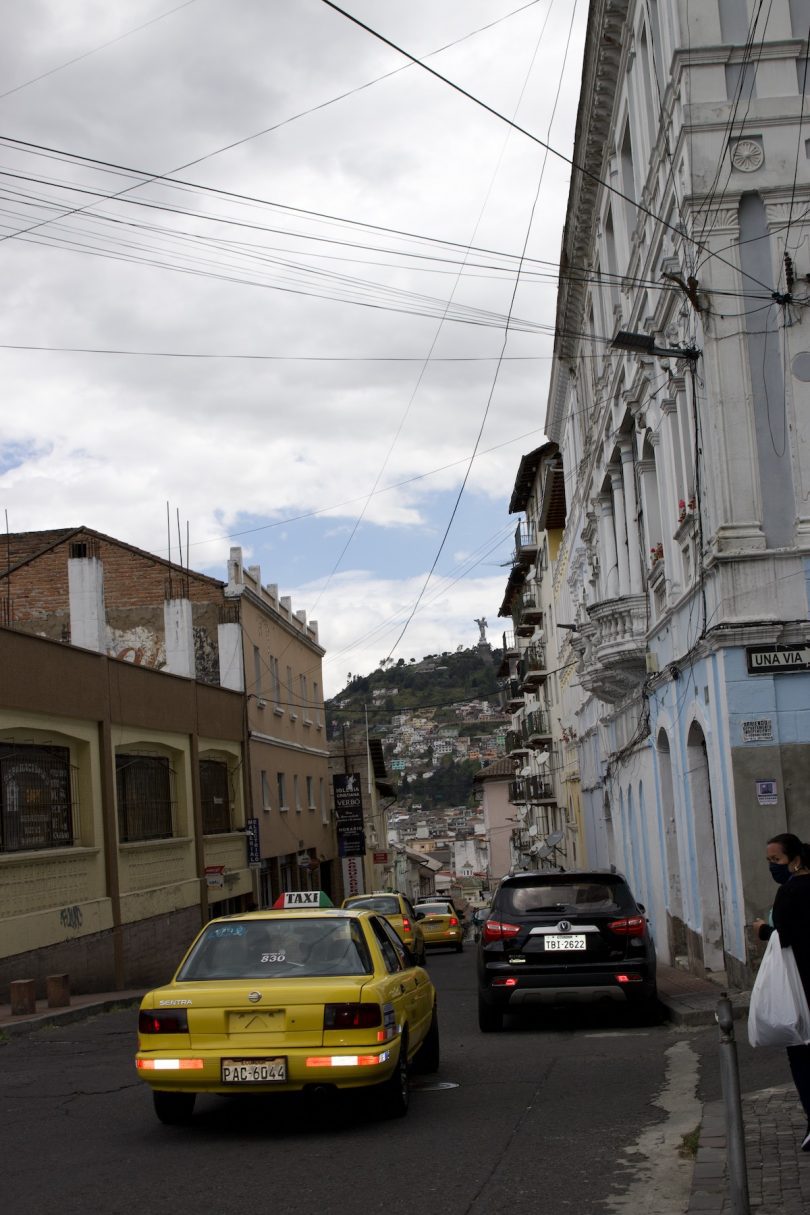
{"x": 779, "y": 873}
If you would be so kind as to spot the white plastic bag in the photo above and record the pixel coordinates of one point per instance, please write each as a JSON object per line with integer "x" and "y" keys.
{"x": 778, "y": 1014}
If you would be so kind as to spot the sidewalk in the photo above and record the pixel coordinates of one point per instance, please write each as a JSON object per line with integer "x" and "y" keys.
{"x": 778, "y": 1173}
{"x": 690, "y": 1001}
{"x": 79, "y": 1008}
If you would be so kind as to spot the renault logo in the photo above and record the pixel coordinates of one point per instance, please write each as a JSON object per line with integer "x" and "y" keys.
{"x": 254, "y": 996}
{"x": 564, "y": 926}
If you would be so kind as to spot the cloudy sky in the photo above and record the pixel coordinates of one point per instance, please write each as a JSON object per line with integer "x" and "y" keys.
{"x": 258, "y": 265}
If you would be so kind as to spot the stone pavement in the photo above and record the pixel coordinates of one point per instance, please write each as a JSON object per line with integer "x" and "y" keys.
{"x": 778, "y": 1172}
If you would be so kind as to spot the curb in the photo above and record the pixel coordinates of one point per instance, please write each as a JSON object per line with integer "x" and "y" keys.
{"x": 692, "y": 1012}
{"x": 64, "y": 1016}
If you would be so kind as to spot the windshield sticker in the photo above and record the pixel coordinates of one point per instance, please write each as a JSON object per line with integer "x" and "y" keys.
{"x": 229, "y": 930}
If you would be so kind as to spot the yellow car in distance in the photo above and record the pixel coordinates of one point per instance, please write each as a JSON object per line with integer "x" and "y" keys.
{"x": 285, "y": 1001}
{"x": 399, "y": 912}
{"x": 440, "y": 925}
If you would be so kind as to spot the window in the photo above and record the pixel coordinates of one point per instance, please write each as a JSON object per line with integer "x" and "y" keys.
{"x": 392, "y": 958}
{"x": 293, "y": 713}
{"x": 322, "y": 800}
{"x": 215, "y": 795}
{"x": 275, "y": 679}
{"x": 143, "y": 784}
{"x": 281, "y": 782}
{"x": 265, "y": 791}
{"x": 316, "y": 705}
{"x": 257, "y": 670}
{"x": 296, "y": 794}
{"x": 36, "y": 798}
{"x": 310, "y": 793}
{"x": 302, "y": 687}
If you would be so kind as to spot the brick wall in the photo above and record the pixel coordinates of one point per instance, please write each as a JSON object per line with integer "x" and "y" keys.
{"x": 152, "y": 950}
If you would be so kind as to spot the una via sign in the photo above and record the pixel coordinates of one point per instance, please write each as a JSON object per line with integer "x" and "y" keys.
{"x": 768, "y": 659}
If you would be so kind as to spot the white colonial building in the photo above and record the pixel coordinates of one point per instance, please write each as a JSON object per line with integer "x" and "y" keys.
{"x": 680, "y": 401}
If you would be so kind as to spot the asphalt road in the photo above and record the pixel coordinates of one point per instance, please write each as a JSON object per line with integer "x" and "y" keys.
{"x": 579, "y": 1111}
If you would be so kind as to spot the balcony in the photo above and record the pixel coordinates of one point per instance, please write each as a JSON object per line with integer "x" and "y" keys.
{"x": 526, "y": 610}
{"x": 530, "y": 789}
{"x": 509, "y": 655}
{"x": 532, "y": 668}
{"x": 513, "y": 693}
{"x": 525, "y": 544}
{"x": 537, "y": 728}
{"x": 612, "y": 647}
{"x": 515, "y": 742}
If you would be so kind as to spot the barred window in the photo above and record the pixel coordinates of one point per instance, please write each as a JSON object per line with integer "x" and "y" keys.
{"x": 215, "y": 796}
{"x": 37, "y": 797}
{"x": 144, "y": 784}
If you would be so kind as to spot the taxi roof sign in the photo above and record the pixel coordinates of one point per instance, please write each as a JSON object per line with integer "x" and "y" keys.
{"x": 303, "y": 898}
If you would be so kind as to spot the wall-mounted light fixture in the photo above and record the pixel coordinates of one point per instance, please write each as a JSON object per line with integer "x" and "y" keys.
{"x": 642, "y": 343}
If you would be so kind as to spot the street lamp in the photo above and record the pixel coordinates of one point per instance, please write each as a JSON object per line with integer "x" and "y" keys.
{"x": 643, "y": 343}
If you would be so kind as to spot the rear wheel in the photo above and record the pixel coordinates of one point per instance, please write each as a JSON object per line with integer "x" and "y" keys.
{"x": 490, "y": 1019}
{"x": 394, "y": 1093}
{"x": 174, "y": 1109}
{"x": 427, "y": 1057}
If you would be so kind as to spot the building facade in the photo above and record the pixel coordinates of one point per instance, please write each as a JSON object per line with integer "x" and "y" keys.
{"x": 679, "y": 401}
{"x": 77, "y": 591}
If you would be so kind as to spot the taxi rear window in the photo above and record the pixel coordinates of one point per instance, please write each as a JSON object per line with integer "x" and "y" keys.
{"x": 436, "y": 909}
{"x": 287, "y": 948}
{"x": 385, "y": 904}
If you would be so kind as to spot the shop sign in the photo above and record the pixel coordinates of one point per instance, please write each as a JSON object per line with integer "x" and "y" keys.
{"x": 760, "y": 729}
{"x": 215, "y": 875}
{"x": 777, "y": 659}
{"x": 253, "y": 847}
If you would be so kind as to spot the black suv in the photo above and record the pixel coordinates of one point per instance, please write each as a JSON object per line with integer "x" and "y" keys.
{"x": 563, "y": 936}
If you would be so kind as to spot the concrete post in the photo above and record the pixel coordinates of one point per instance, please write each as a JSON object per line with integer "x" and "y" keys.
{"x": 88, "y": 621}
{"x": 177, "y": 618}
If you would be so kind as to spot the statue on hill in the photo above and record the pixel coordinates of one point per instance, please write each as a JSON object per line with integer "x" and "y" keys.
{"x": 482, "y": 629}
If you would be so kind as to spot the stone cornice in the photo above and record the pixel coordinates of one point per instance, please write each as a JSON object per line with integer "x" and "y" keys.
{"x": 600, "y": 80}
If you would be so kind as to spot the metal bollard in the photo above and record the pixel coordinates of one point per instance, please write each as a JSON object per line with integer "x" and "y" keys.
{"x": 735, "y": 1131}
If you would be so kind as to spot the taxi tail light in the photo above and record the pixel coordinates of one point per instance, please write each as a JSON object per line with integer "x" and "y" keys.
{"x": 496, "y": 930}
{"x": 351, "y": 1016}
{"x": 163, "y": 1021}
{"x": 631, "y": 927}
{"x": 453, "y": 922}
{"x": 406, "y": 924}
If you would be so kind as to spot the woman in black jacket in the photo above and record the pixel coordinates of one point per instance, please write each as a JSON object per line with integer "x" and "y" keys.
{"x": 789, "y": 861}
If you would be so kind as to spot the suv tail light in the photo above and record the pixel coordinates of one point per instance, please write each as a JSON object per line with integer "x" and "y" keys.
{"x": 351, "y": 1016}
{"x": 496, "y": 930}
{"x": 631, "y": 927}
{"x": 163, "y": 1021}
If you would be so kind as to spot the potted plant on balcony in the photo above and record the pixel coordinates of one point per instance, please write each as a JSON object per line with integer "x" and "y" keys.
{"x": 681, "y": 510}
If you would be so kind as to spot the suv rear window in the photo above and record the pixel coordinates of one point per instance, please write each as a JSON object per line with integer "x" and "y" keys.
{"x": 568, "y": 894}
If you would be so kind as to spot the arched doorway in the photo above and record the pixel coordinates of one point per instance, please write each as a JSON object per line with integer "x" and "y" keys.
{"x": 675, "y": 925}
{"x": 697, "y": 767}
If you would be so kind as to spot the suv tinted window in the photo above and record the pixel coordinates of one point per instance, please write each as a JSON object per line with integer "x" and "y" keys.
{"x": 565, "y": 894}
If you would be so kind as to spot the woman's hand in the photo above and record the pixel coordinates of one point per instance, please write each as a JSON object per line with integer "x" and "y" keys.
{"x": 757, "y": 925}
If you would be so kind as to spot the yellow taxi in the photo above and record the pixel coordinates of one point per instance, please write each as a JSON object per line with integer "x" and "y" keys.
{"x": 399, "y": 912}
{"x": 441, "y": 925}
{"x": 289, "y": 1000}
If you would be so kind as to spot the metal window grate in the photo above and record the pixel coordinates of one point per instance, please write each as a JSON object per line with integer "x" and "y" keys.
{"x": 38, "y": 797}
{"x": 145, "y": 789}
{"x": 215, "y": 795}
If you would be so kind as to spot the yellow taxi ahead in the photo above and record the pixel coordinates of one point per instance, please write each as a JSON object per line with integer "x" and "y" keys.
{"x": 441, "y": 925}
{"x": 284, "y": 1001}
{"x": 400, "y": 914}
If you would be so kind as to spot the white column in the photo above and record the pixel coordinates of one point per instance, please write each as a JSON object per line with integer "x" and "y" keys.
{"x": 631, "y": 515}
{"x": 231, "y": 667}
{"x": 88, "y": 621}
{"x": 619, "y": 518}
{"x": 609, "y": 576}
{"x": 177, "y": 619}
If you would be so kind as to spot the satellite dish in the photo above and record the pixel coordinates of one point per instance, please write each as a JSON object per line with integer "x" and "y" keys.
{"x": 543, "y": 757}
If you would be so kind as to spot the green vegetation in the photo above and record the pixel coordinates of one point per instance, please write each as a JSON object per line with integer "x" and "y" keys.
{"x": 438, "y": 682}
